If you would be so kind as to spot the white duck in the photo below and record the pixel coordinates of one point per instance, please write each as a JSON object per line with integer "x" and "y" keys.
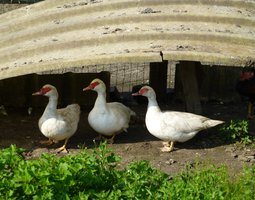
{"x": 107, "y": 119}
{"x": 57, "y": 124}
{"x": 172, "y": 126}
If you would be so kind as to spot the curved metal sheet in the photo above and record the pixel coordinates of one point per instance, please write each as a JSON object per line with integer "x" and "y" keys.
{"x": 71, "y": 33}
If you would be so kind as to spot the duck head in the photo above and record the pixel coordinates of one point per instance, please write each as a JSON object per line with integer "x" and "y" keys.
{"x": 146, "y": 91}
{"x": 96, "y": 85}
{"x": 47, "y": 90}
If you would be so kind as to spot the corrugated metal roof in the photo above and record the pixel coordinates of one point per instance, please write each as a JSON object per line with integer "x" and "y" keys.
{"x": 70, "y": 33}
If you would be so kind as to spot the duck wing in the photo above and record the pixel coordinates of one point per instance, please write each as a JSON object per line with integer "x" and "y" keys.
{"x": 119, "y": 107}
{"x": 70, "y": 115}
{"x": 187, "y": 122}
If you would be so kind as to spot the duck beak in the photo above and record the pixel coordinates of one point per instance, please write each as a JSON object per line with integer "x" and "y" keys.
{"x": 37, "y": 93}
{"x": 136, "y": 94}
{"x": 87, "y": 88}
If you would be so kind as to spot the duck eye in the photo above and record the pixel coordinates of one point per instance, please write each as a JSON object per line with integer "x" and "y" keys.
{"x": 45, "y": 90}
{"x": 143, "y": 90}
{"x": 94, "y": 84}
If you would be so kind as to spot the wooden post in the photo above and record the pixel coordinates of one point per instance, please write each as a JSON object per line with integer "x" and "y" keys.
{"x": 69, "y": 88}
{"x": 31, "y": 86}
{"x": 187, "y": 71}
{"x": 158, "y": 78}
{"x": 1, "y": 90}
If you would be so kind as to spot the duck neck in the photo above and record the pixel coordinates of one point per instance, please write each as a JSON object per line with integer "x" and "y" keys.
{"x": 51, "y": 107}
{"x": 101, "y": 100}
{"x": 152, "y": 103}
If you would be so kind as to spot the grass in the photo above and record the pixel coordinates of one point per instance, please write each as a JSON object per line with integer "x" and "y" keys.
{"x": 93, "y": 175}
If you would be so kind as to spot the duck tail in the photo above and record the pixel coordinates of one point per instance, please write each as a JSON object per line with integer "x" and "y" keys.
{"x": 133, "y": 117}
{"x": 132, "y": 113}
{"x": 76, "y": 110}
{"x": 212, "y": 123}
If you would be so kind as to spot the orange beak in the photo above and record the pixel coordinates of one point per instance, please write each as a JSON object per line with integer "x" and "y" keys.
{"x": 37, "y": 93}
{"x": 87, "y": 88}
{"x": 136, "y": 94}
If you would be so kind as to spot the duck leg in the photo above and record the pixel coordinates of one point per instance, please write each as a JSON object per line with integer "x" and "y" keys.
{"x": 99, "y": 137}
{"x": 63, "y": 148}
{"x": 111, "y": 140}
{"x": 48, "y": 142}
{"x": 168, "y": 146}
{"x": 250, "y": 113}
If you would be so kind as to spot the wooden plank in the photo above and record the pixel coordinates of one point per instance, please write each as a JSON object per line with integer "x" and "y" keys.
{"x": 188, "y": 77}
{"x": 158, "y": 78}
{"x": 17, "y": 92}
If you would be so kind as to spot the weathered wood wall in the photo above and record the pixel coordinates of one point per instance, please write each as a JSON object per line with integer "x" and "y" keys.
{"x": 215, "y": 83}
{"x": 17, "y": 92}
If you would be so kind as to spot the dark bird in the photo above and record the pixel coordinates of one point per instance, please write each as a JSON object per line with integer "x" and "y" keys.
{"x": 246, "y": 87}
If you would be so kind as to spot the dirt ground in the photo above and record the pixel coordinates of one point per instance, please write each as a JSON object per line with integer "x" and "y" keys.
{"x": 207, "y": 146}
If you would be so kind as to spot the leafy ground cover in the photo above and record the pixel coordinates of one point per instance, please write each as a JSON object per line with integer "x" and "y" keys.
{"x": 238, "y": 131}
{"x": 93, "y": 174}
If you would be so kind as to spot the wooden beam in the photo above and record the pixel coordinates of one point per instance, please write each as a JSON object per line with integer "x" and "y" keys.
{"x": 188, "y": 77}
{"x": 158, "y": 78}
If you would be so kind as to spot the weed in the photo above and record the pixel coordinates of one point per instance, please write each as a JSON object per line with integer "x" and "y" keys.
{"x": 237, "y": 131}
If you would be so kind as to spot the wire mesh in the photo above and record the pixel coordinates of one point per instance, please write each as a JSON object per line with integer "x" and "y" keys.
{"x": 123, "y": 76}
{"x": 171, "y": 74}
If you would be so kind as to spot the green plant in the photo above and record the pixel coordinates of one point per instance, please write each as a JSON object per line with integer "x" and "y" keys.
{"x": 212, "y": 182}
{"x": 94, "y": 175}
{"x": 237, "y": 131}
{"x": 51, "y": 177}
